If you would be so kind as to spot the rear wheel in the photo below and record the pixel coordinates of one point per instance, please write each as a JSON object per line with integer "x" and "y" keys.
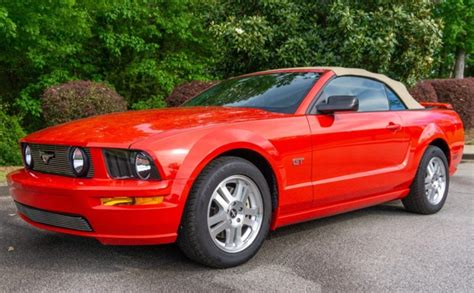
{"x": 227, "y": 216}
{"x": 430, "y": 188}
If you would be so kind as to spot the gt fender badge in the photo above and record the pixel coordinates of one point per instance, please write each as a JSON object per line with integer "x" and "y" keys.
{"x": 298, "y": 161}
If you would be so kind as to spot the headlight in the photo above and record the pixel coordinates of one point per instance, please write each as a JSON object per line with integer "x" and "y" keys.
{"x": 27, "y": 156}
{"x": 130, "y": 164}
{"x": 79, "y": 161}
{"x": 142, "y": 166}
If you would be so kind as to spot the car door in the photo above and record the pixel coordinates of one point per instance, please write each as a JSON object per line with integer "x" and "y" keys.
{"x": 356, "y": 154}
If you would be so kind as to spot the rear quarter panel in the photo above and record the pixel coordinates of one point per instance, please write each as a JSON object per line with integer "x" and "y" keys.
{"x": 425, "y": 126}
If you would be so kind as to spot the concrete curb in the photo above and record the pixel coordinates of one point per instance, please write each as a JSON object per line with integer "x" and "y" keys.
{"x": 468, "y": 152}
{"x": 468, "y": 157}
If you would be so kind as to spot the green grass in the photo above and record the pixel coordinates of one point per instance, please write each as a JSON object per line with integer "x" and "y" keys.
{"x": 5, "y": 170}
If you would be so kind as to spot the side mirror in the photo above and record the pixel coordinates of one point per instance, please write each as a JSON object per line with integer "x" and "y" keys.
{"x": 339, "y": 104}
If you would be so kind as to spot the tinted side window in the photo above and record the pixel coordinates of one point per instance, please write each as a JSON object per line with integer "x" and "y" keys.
{"x": 371, "y": 94}
{"x": 394, "y": 100}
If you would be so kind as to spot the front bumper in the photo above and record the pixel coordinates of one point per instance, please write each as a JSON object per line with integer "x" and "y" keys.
{"x": 53, "y": 196}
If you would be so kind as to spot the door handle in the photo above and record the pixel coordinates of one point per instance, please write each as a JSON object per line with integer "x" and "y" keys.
{"x": 393, "y": 126}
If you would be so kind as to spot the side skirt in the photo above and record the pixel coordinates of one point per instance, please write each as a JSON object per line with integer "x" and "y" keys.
{"x": 320, "y": 212}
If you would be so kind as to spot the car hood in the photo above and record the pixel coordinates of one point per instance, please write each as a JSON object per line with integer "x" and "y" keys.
{"x": 123, "y": 129}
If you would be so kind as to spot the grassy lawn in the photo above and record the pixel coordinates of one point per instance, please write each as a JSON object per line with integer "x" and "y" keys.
{"x": 5, "y": 170}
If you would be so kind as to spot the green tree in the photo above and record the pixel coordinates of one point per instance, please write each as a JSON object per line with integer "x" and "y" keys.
{"x": 40, "y": 40}
{"x": 458, "y": 36}
{"x": 396, "y": 38}
{"x": 142, "y": 48}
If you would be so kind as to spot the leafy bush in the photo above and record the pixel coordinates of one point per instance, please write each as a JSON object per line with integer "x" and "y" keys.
{"x": 424, "y": 91}
{"x": 397, "y": 38}
{"x": 79, "y": 99}
{"x": 460, "y": 94}
{"x": 457, "y": 92}
{"x": 151, "y": 103}
{"x": 10, "y": 133}
{"x": 185, "y": 91}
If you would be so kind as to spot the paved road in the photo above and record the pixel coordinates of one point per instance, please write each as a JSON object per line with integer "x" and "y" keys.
{"x": 377, "y": 249}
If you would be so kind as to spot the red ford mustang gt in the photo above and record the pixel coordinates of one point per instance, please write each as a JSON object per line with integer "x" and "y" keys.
{"x": 247, "y": 156}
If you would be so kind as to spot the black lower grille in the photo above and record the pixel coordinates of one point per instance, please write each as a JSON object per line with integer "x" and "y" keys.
{"x": 72, "y": 222}
{"x": 59, "y": 163}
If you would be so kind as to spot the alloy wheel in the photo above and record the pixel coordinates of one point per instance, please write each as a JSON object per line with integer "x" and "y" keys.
{"x": 435, "y": 180}
{"x": 235, "y": 213}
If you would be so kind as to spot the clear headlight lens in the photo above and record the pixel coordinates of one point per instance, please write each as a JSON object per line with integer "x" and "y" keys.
{"x": 130, "y": 164}
{"x": 78, "y": 161}
{"x": 27, "y": 156}
{"x": 143, "y": 166}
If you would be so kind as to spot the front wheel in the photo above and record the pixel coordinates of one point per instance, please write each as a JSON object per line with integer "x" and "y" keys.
{"x": 430, "y": 187}
{"x": 227, "y": 215}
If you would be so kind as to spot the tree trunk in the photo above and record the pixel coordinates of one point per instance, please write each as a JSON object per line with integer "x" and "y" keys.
{"x": 459, "y": 65}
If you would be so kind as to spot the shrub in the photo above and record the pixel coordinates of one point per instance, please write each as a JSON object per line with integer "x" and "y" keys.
{"x": 457, "y": 92}
{"x": 460, "y": 94}
{"x": 79, "y": 99}
{"x": 185, "y": 91}
{"x": 151, "y": 103}
{"x": 10, "y": 133}
{"x": 424, "y": 92}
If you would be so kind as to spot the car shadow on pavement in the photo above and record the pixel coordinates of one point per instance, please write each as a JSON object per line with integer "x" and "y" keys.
{"x": 387, "y": 209}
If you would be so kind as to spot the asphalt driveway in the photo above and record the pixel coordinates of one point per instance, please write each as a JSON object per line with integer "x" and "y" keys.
{"x": 377, "y": 249}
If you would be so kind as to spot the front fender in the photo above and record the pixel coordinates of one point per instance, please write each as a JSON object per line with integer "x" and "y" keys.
{"x": 216, "y": 143}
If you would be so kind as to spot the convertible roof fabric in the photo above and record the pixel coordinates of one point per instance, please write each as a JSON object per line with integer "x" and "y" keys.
{"x": 396, "y": 86}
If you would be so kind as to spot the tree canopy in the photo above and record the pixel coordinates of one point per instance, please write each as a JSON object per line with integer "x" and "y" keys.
{"x": 458, "y": 35}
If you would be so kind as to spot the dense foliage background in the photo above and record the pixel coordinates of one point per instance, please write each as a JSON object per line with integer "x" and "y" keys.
{"x": 142, "y": 49}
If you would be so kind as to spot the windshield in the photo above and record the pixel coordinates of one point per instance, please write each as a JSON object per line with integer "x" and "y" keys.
{"x": 278, "y": 92}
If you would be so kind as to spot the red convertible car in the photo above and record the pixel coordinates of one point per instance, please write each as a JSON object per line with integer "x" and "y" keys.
{"x": 249, "y": 155}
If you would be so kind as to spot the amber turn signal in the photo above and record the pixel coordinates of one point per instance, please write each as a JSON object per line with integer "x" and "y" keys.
{"x": 127, "y": 201}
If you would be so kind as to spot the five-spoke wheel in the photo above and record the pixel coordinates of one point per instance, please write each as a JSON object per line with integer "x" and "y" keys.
{"x": 429, "y": 190}
{"x": 227, "y": 214}
{"x": 235, "y": 213}
{"x": 435, "y": 180}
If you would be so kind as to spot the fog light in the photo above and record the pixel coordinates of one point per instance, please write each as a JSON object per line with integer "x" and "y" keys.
{"x": 123, "y": 201}
{"x": 115, "y": 201}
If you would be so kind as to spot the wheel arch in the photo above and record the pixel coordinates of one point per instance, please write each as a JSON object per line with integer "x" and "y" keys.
{"x": 232, "y": 142}
{"x": 443, "y": 145}
{"x": 432, "y": 135}
{"x": 262, "y": 164}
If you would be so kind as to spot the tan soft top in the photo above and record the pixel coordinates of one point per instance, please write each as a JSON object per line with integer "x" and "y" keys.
{"x": 398, "y": 87}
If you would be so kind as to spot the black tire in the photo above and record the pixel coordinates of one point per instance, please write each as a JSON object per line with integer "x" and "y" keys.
{"x": 194, "y": 238}
{"x": 417, "y": 201}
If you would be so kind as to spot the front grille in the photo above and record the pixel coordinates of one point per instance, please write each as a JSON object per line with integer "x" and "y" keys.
{"x": 72, "y": 222}
{"x": 60, "y": 163}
